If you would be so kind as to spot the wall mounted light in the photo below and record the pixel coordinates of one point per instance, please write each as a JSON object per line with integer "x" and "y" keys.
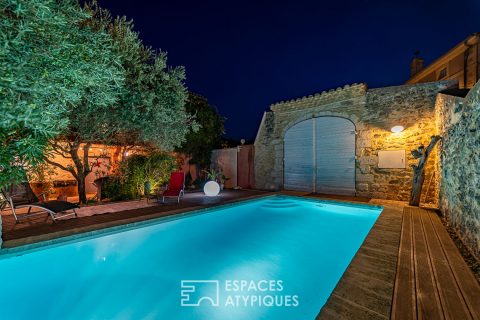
{"x": 397, "y": 129}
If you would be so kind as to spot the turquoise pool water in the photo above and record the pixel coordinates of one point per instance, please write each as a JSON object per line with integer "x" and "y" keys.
{"x": 273, "y": 258}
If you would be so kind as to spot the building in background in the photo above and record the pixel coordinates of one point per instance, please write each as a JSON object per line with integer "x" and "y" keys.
{"x": 460, "y": 63}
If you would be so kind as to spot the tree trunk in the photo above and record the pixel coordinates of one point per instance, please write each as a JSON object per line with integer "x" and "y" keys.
{"x": 418, "y": 170}
{"x": 82, "y": 194}
{"x": 81, "y": 167}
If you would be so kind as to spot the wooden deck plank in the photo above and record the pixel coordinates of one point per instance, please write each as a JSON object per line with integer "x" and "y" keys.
{"x": 365, "y": 292}
{"x": 453, "y": 305}
{"x": 432, "y": 276}
{"x": 342, "y": 309}
{"x": 404, "y": 298}
{"x": 428, "y": 300}
{"x": 467, "y": 283}
{"x": 366, "y": 288}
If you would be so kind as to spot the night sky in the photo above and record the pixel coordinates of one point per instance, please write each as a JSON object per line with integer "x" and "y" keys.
{"x": 245, "y": 56}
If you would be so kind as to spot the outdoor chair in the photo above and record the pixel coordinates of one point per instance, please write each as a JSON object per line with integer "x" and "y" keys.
{"x": 22, "y": 196}
{"x": 176, "y": 186}
{"x": 3, "y": 202}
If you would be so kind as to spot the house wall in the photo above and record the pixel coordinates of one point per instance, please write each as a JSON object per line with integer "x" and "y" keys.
{"x": 455, "y": 65}
{"x": 458, "y": 122}
{"x": 374, "y": 112}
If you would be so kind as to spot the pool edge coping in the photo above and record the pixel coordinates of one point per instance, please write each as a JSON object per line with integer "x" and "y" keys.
{"x": 106, "y": 228}
{"x": 116, "y": 226}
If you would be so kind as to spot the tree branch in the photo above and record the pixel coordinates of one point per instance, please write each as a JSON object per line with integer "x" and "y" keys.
{"x": 61, "y": 154}
{"x": 75, "y": 158}
{"x": 58, "y": 165}
{"x": 418, "y": 170}
{"x": 55, "y": 145}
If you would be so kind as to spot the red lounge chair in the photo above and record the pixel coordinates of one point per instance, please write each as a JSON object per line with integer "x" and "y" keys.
{"x": 176, "y": 187}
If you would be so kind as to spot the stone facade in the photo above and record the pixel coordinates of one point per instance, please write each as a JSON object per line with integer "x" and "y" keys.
{"x": 374, "y": 112}
{"x": 458, "y": 121}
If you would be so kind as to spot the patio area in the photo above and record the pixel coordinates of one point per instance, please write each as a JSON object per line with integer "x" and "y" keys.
{"x": 407, "y": 268}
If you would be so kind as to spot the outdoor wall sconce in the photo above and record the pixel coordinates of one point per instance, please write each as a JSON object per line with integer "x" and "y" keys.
{"x": 211, "y": 189}
{"x": 397, "y": 129}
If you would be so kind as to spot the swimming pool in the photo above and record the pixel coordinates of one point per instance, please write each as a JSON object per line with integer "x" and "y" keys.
{"x": 273, "y": 258}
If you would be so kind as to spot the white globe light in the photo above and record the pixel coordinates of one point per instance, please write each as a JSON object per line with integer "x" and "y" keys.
{"x": 397, "y": 129}
{"x": 211, "y": 189}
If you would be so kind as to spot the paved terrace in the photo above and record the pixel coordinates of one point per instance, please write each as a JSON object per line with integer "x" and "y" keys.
{"x": 407, "y": 268}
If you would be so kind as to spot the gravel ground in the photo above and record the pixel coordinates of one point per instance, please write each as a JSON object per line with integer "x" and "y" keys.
{"x": 472, "y": 262}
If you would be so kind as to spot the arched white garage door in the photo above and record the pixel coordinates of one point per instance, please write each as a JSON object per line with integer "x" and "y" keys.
{"x": 320, "y": 156}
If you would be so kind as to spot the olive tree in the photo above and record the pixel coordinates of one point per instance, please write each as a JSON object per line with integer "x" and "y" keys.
{"x": 52, "y": 65}
{"x": 149, "y": 109}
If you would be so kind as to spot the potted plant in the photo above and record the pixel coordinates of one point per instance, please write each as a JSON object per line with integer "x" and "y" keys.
{"x": 222, "y": 179}
{"x": 211, "y": 174}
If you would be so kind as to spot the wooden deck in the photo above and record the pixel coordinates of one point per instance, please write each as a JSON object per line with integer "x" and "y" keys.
{"x": 433, "y": 281}
{"x": 407, "y": 268}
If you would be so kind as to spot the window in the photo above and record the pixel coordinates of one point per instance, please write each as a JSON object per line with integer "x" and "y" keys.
{"x": 442, "y": 74}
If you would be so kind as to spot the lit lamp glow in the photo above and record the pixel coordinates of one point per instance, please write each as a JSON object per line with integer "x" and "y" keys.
{"x": 397, "y": 129}
{"x": 211, "y": 189}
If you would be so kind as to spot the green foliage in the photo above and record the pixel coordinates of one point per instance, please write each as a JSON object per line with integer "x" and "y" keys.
{"x": 211, "y": 174}
{"x": 147, "y": 109}
{"x": 137, "y": 170}
{"x": 51, "y": 65}
{"x": 215, "y": 175}
{"x": 72, "y": 75}
{"x": 114, "y": 189}
{"x": 199, "y": 144}
{"x": 151, "y": 109}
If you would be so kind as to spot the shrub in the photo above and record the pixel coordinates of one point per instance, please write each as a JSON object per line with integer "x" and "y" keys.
{"x": 137, "y": 170}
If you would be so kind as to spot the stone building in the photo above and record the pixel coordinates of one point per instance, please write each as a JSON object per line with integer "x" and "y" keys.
{"x": 461, "y": 63}
{"x": 341, "y": 141}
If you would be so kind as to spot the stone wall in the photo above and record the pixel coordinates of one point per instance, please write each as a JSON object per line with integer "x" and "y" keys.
{"x": 374, "y": 112}
{"x": 458, "y": 121}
